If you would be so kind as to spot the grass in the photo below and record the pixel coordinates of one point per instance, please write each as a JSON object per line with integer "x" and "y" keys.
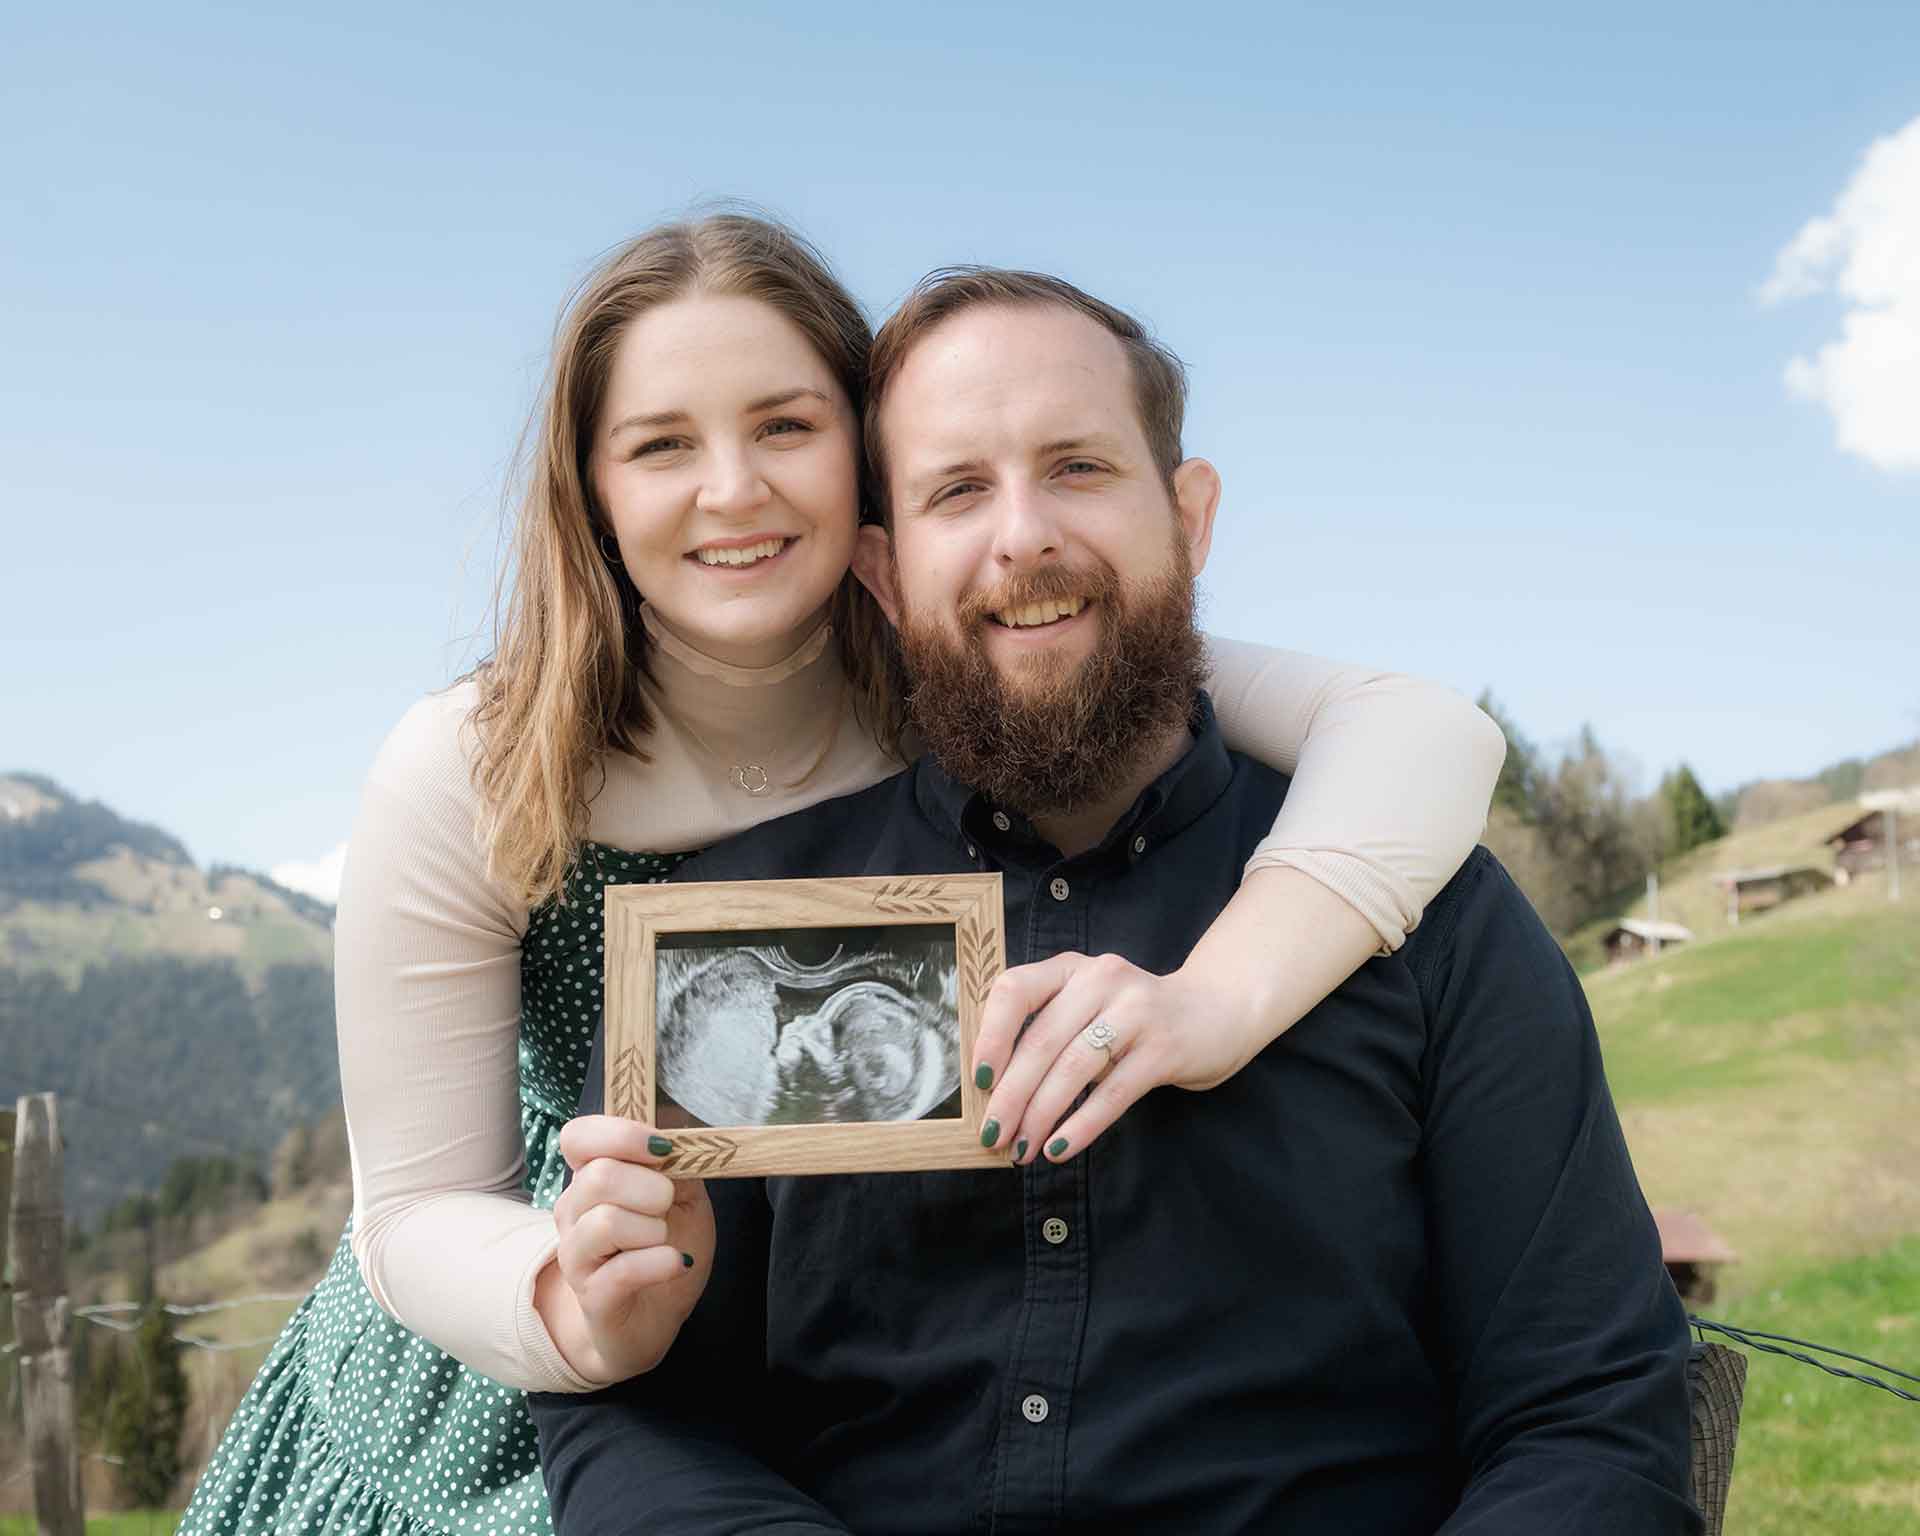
{"x": 1767, "y": 1079}
{"x": 127, "y": 1522}
{"x": 1818, "y": 1454}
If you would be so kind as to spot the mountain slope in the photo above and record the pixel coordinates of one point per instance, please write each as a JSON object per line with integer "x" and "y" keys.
{"x": 176, "y": 1011}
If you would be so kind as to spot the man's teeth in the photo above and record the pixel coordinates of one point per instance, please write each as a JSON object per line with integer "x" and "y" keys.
{"x": 746, "y": 554}
{"x": 1030, "y": 614}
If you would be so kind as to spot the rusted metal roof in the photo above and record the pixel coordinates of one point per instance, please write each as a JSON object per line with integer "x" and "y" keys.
{"x": 1686, "y": 1239}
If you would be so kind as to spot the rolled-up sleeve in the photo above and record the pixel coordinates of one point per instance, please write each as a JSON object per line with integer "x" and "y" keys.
{"x": 1392, "y": 775}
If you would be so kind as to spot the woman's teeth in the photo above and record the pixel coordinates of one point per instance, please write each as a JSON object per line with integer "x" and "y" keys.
{"x": 745, "y": 554}
{"x": 1030, "y": 614}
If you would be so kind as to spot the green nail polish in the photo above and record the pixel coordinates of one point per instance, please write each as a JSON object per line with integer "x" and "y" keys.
{"x": 989, "y": 1133}
{"x": 1020, "y": 1148}
{"x": 983, "y": 1076}
{"x": 659, "y": 1146}
{"x": 1059, "y": 1146}
{"x": 686, "y": 1261}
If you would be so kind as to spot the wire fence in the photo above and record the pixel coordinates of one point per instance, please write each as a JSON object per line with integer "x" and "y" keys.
{"x": 1749, "y": 1338}
{"x": 97, "y": 1314}
{"x": 107, "y": 1314}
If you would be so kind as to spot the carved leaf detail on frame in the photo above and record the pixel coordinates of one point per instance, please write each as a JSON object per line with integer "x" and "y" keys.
{"x": 921, "y": 896}
{"x": 698, "y": 1152}
{"x": 630, "y": 1085}
{"x": 976, "y": 957}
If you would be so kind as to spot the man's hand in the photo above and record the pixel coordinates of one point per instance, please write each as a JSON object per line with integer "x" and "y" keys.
{"x": 1160, "y": 1029}
{"x": 635, "y": 1250}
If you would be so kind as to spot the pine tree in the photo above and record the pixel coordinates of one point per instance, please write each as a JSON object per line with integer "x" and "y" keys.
{"x": 1695, "y": 818}
{"x": 148, "y": 1412}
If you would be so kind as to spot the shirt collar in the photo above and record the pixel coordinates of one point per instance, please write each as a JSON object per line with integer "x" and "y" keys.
{"x": 1172, "y": 801}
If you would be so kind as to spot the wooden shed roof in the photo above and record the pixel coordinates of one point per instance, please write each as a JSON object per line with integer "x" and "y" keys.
{"x": 1769, "y": 872}
{"x": 1640, "y": 928}
{"x": 1686, "y": 1239}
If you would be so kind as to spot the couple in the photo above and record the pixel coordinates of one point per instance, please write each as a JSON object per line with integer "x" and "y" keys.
{"x": 1395, "y": 1275}
{"x": 700, "y": 442}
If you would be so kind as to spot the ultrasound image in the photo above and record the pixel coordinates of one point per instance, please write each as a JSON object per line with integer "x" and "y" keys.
{"x": 809, "y": 1026}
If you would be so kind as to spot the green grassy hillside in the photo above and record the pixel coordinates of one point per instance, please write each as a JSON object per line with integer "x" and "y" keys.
{"x": 1688, "y": 894}
{"x": 146, "y": 907}
{"x": 1768, "y": 1079}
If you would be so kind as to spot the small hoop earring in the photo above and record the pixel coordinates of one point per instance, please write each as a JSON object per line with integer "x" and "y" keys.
{"x": 610, "y": 549}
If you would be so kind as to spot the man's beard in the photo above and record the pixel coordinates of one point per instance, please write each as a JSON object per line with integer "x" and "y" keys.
{"x": 1061, "y": 737}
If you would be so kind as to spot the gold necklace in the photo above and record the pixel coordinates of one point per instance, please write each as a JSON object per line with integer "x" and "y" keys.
{"x": 753, "y": 778}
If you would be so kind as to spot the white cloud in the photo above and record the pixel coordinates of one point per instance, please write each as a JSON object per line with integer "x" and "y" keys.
{"x": 321, "y": 878}
{"x": 1867, "y": 251}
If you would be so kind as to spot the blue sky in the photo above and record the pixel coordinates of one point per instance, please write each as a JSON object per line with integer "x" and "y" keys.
{"x": 1473, "y": 306}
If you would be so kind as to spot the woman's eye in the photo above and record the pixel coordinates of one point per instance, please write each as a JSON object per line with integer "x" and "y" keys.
{"x": 786, "y": 426}
{"x": 659, "y": 445}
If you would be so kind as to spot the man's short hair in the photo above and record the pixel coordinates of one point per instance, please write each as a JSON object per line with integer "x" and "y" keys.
{"x": 1159, "y": 377}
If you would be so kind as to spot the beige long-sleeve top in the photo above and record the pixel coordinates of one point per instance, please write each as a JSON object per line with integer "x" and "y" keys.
{"x": 1391, "y": 782}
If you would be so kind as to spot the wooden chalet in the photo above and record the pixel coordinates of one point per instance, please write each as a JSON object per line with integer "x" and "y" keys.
{"x": 1634, "y": 938}
{"x": 1758, "y": 890}
{"x": 1890, "y": 822}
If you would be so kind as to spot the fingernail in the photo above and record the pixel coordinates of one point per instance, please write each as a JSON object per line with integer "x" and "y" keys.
{"x": 1059, "y": 1146}
{"x": 989, "y": 1133}
{"x": 686, "y": 1261}
{"x": 1020, "y": 1148}
{"x": 983, "y": 1076}
{"x": 659, "y": 1146}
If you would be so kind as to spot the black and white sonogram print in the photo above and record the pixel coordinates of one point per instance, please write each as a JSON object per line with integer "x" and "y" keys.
{"x": 809, "y": 1026}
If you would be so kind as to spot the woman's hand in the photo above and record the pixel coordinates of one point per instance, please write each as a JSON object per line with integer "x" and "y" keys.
{"x": 1281, "y": 945}
{"x": 635, "y": 1250}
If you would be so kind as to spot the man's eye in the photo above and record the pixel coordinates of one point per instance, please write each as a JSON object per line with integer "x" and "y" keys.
{"x": 1080, "y": 467}
{"x": 947, "y": 493}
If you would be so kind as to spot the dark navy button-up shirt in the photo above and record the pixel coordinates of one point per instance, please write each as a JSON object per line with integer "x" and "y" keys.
{"x": 1394, "y": 1276}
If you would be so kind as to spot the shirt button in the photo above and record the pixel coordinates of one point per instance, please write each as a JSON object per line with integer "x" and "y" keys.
{"x": 1054, "y": 1230}
{"x": 1058, "y": 888}
{"x": 1000, "y": 821}
{"x": 1139, "y": 845}
{"x": 1034, "y": 1407}
{"x": 972, "y": 852}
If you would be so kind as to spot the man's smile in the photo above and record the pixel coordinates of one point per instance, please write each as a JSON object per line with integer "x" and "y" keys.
{"x": 1046, "y": 612}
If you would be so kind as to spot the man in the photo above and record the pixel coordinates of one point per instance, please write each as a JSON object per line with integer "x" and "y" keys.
{"x": 1393, "y": 1276}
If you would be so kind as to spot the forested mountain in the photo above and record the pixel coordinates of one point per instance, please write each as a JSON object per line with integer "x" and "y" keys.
{"x": 177, "y": 1012}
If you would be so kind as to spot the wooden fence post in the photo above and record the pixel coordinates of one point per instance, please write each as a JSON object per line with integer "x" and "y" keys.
{"x": 7, "y": 1367}
{"x": 39, "y": 1243}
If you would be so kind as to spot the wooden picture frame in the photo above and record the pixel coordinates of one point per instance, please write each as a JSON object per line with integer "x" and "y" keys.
{"x": 743, "y": 916}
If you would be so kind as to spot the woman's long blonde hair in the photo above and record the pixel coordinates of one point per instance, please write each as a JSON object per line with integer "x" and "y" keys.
{"x": 562, "y": 686}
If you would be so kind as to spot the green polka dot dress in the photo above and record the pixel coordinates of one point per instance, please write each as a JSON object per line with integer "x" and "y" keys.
{"x": 355, "y": 1424}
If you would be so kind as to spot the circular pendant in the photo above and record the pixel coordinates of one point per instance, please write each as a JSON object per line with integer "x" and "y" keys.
{"x": 752, "y": 778}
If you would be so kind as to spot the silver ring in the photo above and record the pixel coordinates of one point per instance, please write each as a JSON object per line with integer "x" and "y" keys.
{"x": 1100, "y": 1035}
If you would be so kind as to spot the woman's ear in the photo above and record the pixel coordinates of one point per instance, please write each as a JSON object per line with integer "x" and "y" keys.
{"x": 873, "y": 564}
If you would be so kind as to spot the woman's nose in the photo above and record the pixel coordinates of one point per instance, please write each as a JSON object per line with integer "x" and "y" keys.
{"x": 732, "y": 486}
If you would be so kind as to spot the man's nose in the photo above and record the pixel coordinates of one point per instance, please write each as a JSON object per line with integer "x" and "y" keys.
{"x": 1027, "y": 531}
{"x": 732, "y": 485}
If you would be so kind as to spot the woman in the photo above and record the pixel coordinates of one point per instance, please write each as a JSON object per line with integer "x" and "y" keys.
{"x": 698, "y": 443}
